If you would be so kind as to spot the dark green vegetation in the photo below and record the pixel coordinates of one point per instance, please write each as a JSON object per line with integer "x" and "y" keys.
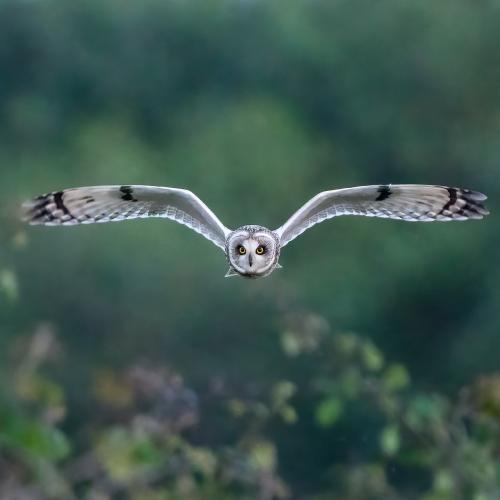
{"x": 130, "y": 368}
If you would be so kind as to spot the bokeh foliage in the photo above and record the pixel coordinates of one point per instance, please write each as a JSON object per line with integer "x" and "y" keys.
{"x": 130, "y": 368}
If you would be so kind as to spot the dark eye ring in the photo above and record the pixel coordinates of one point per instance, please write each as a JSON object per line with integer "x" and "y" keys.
{"x": 241, "y": 250}
{"x": 260, "y": 250}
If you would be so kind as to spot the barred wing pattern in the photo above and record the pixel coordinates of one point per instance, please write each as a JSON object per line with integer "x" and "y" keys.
{"x": 87, "y": 205}
{"x": 409, "y": 202}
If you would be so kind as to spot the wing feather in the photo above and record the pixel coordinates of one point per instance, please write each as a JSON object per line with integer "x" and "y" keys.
{"x": 97, "y": 204}
{"x": 409, "y": 202}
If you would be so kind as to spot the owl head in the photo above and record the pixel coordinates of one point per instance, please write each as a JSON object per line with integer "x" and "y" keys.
{"x": 252, "y": 251}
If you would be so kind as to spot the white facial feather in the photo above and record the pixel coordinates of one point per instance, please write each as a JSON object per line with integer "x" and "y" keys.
{"x": 252, "y": 251}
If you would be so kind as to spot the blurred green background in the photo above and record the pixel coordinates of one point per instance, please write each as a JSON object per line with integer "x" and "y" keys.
{"x": 368, "y": 368}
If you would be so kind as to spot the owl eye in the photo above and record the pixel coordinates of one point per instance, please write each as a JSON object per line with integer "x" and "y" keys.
{"x": 241, "y": 250}
{"x": 260, "y": 250}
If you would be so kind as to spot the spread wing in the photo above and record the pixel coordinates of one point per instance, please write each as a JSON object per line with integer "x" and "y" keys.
{"x": 87, "y": 205}
{"x": 410, "y": 202}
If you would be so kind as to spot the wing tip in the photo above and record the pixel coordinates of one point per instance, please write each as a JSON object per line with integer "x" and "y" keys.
{"x": 36, "y": 212}
{"x": 474, "y": 207}
{"x": 470, "y": 195}
{"x": 28, "y": 209}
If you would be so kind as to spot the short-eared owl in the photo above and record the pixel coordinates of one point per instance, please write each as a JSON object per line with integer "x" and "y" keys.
{"x": 253, "y": 251}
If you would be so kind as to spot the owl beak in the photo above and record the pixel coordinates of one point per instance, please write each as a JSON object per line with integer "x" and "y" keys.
{"x": 250, "y": 259}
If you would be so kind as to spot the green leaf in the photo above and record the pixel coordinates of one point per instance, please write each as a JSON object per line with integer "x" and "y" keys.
{"x": 396, "y": 378}
{"x": 288, "y": 414}
{"x": 263, "y": 456}
{"x": 426, "y": 411}
{"x": 203, "y": 460}
{"x": 373, "y": 359}
{"x": 34, "y": 439}
{"x": 329, "y": 411}
{"x": 390, "y": 440}
{"x": 346, "y": 344}
{"x": 237, "y": 408}
{"x": 290, "y": 343}
{"x": 127, "y": 453}
{"x": 282, "y": 392}
{"x": 421, "y": 457}
{"x": 9, "y": 285}
{"x": 443, "y": 481}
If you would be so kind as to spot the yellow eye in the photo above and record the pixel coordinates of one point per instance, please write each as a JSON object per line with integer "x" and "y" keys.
{"x": 242, "y": 250}
{"x": 260, "y": 250}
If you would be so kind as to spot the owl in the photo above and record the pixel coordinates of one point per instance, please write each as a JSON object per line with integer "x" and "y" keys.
{"x": 253, "y": 251}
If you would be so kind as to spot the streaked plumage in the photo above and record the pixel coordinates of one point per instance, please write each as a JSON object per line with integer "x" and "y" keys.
{"x": 253, "y": 251}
